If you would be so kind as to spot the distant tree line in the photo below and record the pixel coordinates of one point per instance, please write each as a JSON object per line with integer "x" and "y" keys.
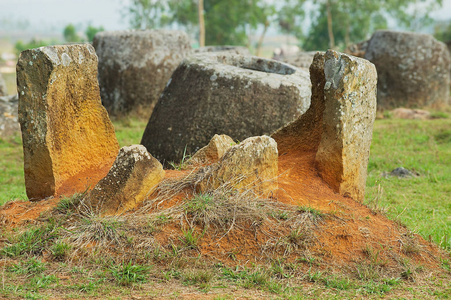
{"x": 70, "y": 35}
{"x": 333, "y": 23}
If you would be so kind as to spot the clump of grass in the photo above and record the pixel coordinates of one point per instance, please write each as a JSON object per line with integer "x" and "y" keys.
{"x": 60, "y": 250}
{"x": 95, "y": 230}
{"x": 33, "y": 241}
{"x": 201, "y": 278}
{"x": 30, "y": 266}
{"x": 68, "y": 204}
{"x": 183, "y": 164}
{"x": 190, "y": 238}
{"x": 313, "y": 212}
{"x": 129, "y": 273}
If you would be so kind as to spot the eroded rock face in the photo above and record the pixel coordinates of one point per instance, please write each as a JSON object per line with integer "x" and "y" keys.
{"x": 228, "y": 49}
{"x": 252, "y": 164}
{"x": 68, "y": 140}
{"x": 134, "y": 175}
{"x": 9, "y": 122}
{"x": 338, "y": 125}
{"x": 348, "y": 118}
{"x": 209, "y": 94}
{"x": 213, "y": 152}
{"x": 134, "y": 67}
{"x": 413, "y": 69}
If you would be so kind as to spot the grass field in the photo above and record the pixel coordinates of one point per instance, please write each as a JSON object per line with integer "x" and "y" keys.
{"x": 422, "y": 203}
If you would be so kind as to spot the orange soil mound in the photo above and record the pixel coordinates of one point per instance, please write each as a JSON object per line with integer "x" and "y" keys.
{"x": 343, "y": 237}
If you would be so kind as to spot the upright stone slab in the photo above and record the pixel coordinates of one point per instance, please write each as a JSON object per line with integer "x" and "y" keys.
{"x": 413, "y": 69}
{"x": 9, "y": 123}
{"x": 68, "y": 140}
{"x": 134, "y": 67}
{"x": 338, "y": 126}
{"x": 349, "y": 114}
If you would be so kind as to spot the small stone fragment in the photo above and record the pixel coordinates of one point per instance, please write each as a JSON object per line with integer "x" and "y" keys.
{"x": 252, "y": 164}
{"x": 134, "y": 175}
{"x": 401, "y": 172}
{"x": 68, "y": 139}
{"x": 412, "y": 114}
{"x": 213, "y": 152}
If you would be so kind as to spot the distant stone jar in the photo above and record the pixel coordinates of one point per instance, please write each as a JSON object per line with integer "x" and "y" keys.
{"x": 134, "y": 67}
{"x": 413, "y": 69}
{"x": 209, "y": 94}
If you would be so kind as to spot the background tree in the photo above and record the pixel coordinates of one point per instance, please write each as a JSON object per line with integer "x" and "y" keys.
{"x": 227, "y": 22}
{"x": 146, "y": 14}
{"x": 91, "y": 31}
{"x": 70, "y": 34}
{"x": 338, "y": 23}
{"x": 442, "y": 31}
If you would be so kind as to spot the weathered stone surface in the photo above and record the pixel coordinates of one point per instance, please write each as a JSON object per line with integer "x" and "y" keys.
{"x": 299, "y": 59}
{"x": 134, "y": 175}
{"x": 209, "y": 94}
{"x": 134, "y": 67}
{"x": 338, "y": 125}
{"x": 3, "y": 91}
{"x": 68, "y": 140}
{"x": 413, "y": 69}
{"x": 413, "y": 114}
{"x": 9, "y": 122}
{"x": 349, "y": 114}
{"x": 213, "y": 152}
{"x": 228, "y": 49}
{"x": 252, "y": 164}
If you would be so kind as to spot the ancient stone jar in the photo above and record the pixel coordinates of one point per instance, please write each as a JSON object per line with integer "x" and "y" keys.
{"x": 412, "y": 68}
{"x": 134, "y": 67}
{"x": 228, "y": 49}
{"x": 209, "y": 94}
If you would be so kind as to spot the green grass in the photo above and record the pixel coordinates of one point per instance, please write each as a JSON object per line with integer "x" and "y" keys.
{"x": 421, "y": 203}
{"x": 12, "y": 183}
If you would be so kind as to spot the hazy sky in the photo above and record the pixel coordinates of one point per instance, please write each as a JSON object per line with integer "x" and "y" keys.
{"x": 107, "y": 13}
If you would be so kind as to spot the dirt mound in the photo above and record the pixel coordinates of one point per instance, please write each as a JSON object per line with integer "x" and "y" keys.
{"x": 307, "y": 220}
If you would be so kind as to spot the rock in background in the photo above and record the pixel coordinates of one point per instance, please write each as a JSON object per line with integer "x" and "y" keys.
{"x": 68, "y": 140}
{"x": 240, "y": 96}
{"x": 299, "y": 59}
{"x": 413, "y": 69}
{"x": 134, "y": 175}
{"x": 3, "y": 90}
{"x": 9, "y": 122}
{"x": 134, "y": 67}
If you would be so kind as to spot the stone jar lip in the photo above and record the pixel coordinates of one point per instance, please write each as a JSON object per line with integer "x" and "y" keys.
{"x": 244, "y": 63}
{"x": 249, "y": 68}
